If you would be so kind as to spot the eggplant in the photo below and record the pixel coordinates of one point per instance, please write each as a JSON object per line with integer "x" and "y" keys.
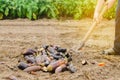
{"x": 56, "y": 56}
{"x": 43, "y": 59}
{"x": 45, "y": 46}
{"x": 23, "y": 65}
{"x": 60, "y": 68}
{"x": 71, "y": 68}
{"x": 53, "y": 65}
{"x": 51, "y": 50}
{"x": 63, "y": 50}
{"x": 32, "y": 68}
{"x": 30, "y": 59}
{"x": 39, "y": 59}
{"x": 30, "y": 52}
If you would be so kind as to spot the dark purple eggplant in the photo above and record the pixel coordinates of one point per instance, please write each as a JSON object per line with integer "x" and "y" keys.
{"x": 29, "y": 52}
{"x": 30, "y": 59}
{"x": 51, "y": 50}
{"x": 23, "y": 65}
{"x": 71, "y": 68}
{"x": 56, "y": 56}
{"x": 63, "y": 50}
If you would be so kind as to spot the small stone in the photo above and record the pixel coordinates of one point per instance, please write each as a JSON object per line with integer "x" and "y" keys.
{"x": 84, "y": 62}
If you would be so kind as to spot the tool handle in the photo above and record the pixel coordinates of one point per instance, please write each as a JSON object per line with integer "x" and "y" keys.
{"x": 91, "y": 29}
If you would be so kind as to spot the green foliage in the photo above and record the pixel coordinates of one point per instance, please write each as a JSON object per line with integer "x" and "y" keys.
{"x": 89, "y": 7}
{"x": 35, "y": 9}
{"x": 1, "y": 16}
{"x": 110, "y": 14}
{"x": 32, "y": 9}
{"x": 71, "y": 8}
{"x": 48, "y": 8}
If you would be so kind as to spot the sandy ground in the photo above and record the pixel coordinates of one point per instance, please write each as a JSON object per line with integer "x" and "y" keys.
{"x": 18, "y": 35}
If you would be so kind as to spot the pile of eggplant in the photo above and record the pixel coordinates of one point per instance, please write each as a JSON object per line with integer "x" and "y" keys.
{"x": 48, "y": 58}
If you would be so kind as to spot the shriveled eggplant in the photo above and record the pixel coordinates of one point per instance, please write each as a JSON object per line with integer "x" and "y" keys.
{"x": 60, "y": 68}
{"x": 22, "y": 65}
{"x": 42, "y": 59}
{"x": 29, "y": 52}
{"x": 71, "y": 68}
{"x": 51, "y": 50}
{"x": 56, "y": 56}
{"x": 53, "y": 65}
{"x": 30, "y": 59}
{"x": 63, "y": 50}
{"x": 32, "y": 68}
{"x": 45, "y": 46}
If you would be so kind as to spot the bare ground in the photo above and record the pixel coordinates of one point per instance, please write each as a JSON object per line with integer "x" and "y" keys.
{"x": 18, "y": 35}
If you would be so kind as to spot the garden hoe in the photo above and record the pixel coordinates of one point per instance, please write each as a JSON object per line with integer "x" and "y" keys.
{"x": 94, "y": 24}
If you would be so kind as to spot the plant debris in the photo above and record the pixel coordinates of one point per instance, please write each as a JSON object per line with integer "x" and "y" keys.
{"x": 84, "y": 62}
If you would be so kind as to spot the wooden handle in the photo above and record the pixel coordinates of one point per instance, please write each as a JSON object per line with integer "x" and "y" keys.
{"x": 91, "y": 29}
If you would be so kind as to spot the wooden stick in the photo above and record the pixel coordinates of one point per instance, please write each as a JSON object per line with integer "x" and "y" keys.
{"x": 91, "y": 29}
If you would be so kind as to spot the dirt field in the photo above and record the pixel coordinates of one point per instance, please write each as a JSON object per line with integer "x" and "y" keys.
{"x": 18, "y": 35}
